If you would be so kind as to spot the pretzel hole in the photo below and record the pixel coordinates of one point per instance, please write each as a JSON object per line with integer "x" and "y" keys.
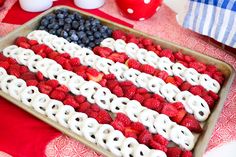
{"x": 93, "y": 136}
{"x": 201, "y": 113}
{"x": 42, "y": 108}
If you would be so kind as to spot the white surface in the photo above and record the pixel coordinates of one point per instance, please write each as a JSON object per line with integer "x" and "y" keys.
{"x": 176, "y": 5}
{"x": 226, "y": 150}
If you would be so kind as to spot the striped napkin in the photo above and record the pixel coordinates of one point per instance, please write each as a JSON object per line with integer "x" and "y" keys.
{"x": 213, "y": 18}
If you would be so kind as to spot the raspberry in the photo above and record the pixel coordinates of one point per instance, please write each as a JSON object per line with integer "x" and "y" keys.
{"x": 141, "y": 91}
{"x": 151, "y": 48}
{"x": 132, "y": 40}
{"x": 137, "y": 126}
{"x": 166, "y": 53}
{"x": 179, "y": 56}
{"x": 52, "y": 83}
{"x": 145, "y": 137}
{"x": 39, "y": 76}
{"x": 153, "y": 104}
{"x": 218, "y": 76}
{"x": 208, "y": 73}
{"x": 158, "y": 97}
{"x": 28, "y": 76}
{"x": 209, "y": 100}
{"x": 162, "y": 75}
{"x": 39, "y": 49}
{"x": 171, "y": 80}
{"x": 129, "y": 91}
{"x": 174, "y": 152}
{"x": 71, "y": 102}
{"x": 14, "y": 69}
{"x": 33, "y": 42}
{"x": 20, "y": 40}
{"x": 126, "y": 83}
{"x": 178, "y": 80}
{"x": 118, "y": 91}
{"x": 62, "y": 88}
{"x": 211, "y": 68}
{"x": 24, "y": 69}
{"x": 147, "y": 69}
{"x": 80, "y": 99}
{"x": 213, "y": 95}
{"x": 24, "y": 45}
{"x": 4, "y": 64}
{"x": 147, "y": 96}
{"x": 74, "y": 61}
{"x": 169, "y": 110}
{"x": 80, "y": 70}
{"x": 160, "y": 139}
{"x": 32, "y": 82}
{"x": 180, "y": 115}
{"x": 43, "y": 88}
{"x": 140, "y": 45}
{"x": 58, "y": 95}
{"x": 189, "y": 59}
{"x": 102, "y": 51}
{"x": 147, "y": 42}
{"x": 123, "y": 118}
{"x": 138, "y": 97}
{"x": 48, "y": 50}
{"x": 185, "y": 86}
{"x": 132, "y": 63}
{"x": 91, "y": 113}
{"x": 103, "y": 82}
{"x": 94, "y": 75}
{"x": 118, "y": 34}
{"x": 111, "y": 84}
{"x": 178, "y": 105}
{"x": 95, "y": 108}
{"x": 118, "y": 125}
{"x": 11, "y": 61}
{"x": 191, "y": 123}
{"x": 196, "y": 90}
{"x": 52, "y": 55}
{"x": 118, "y": 57}
{"x": 158, "y": 146}
{"x": 130, "y": 133}
{"x": 200, "y": 67}
{"x": 83, "y": 107}
{"x": 66, "y": 65}
{"x": 65, "y": 55}
{"x": 60, "y": 60}
{"x": 184, "y": 63}
{"x": 104, "y": 117}
{"x": 187, "y": 154}
{"x": 2, "y": 57}
{"x": 109, "y": 77}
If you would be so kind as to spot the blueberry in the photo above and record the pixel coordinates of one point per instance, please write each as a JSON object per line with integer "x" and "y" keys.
{"x": 62, "y": 10}
{"x": 75, "y": 24}
{"x": 91, "y": 38}
{"x": 61, "y": 22}
{"x": 79, "y": 41}
{"x": 60, "y": 16}
{"x": 98, "y": 41}
{"x": 71, "y": 16}
{"x": 87, "y": 24}
{"x": 87, "y": 28}
{"x": 109, "y": 32}
{"x": 85, "y": 40}
{"x": 72, "y": 32}
{"x": 89, "y": 33}
{"x": 77, "y": 15}
{"x": 56, "y": 26}
{"x": 44, "y": 22}
{"x": 81, "y": 28}
{"x": 64, "y": 34}
{"x": 41, "y": 28}
{"x": 50, "y": 16}
{"x": 59, "y": 32}
{"x": 81, "y": 21}
{"x": 95, "y": 22}
{"x": 52, "y": 20}
{"x": 81, "y": 34}
{"x": 68, "y": 20}
{"x": 52, "y": 31}
{"x": 82, "y": 45}
{"x": 97, "y": 35}
{"x": 94, "y": 29}
{"x": 74, "y": 37}
{"x": 91, "y": 44}
{"x": 104, "y": 35}
{"x": 50, "y": 26}
{"x": 67, "y": 27}
{"x": 68, "y": 39}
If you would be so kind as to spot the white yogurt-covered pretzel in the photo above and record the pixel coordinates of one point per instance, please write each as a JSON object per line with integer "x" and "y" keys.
{"x": 40, "y": 102}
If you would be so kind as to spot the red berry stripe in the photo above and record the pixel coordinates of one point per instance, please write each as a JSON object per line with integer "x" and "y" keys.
{"x": 175, "y": 111}
{"x": 186, "y": 60}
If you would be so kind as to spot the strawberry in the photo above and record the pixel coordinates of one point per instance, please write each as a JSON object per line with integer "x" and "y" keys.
{"x": 65, "y": 55}
{"x": 151, "y": 48}
{"x": 118, "y": 125}
{"x": 80, "y": 99}
{"x": 52, "y": 55}
{"x": 94, "y": 75}
{"x": 91, "y": 113}
{"x": 123, "y": 118}
{"x": 52, "y": 83}
{"x": 28, "y": 76}
{"x": 153, "y": 104}
{"x": 185, "y": 86}
{"x": 178, "y": 105}
{"x": 179, "y": 56}
{"x": 200, "y": 67}
{"x": 197, "y": 90}
{"x": 170, "y": 79}
{"x": 118, "y": 34}
{"x": 58, "y": 95}
{"x": 191, "y": 123}
{"x": 160, "y": 139}
{"x": 158, "y": 47}
{"x": 104, "y": 117}
{"x": 60, "y": 60}
{"x": 11, "y": 61}
{"x": 179, "y": 117}
{"x": 14, "y": 69}
{"x": 138, "y": 97}
{"x": 132, "y": 63}
{"x": 162, "y": 75}
{"x": 109, "y": 77}
{"x": 158, "y": 146}
{"x": 145, "y": 137}
{"x": 24, "y": 69}
{"x": 33, "y": 42}
{"x": 169, "y": 110}
{"x": 142, "y": 91}
{"x": 43, "y": 88}
{"x": 32, "y": 82}
{"x": 48, "y": 50}
{"x": 126, "y": 83}
{"x": 2, "y": 57}
{"x": 129, "y": 91}
{"x": 187, "y": 154}
{"x": 111, "y": 84}
{"x": 83, "y": 107}
{"x": 63, "y": 88}
{"x": 4, "y": 64}
{"x": 71, "y": 101}
{"x": 147, "y": 42}
{"x": 174, "y": 152}
{"x": 39, "y": 49}
{"x": 118, "y": 57}
{"x": 178, "y": 80}
{"x": 103, "y": 82}
{"x": 102, "y": 51}
{"x": 24, "y": 45}
{"x": 39, "y": 76}
{"x": 184, "y": 63}
{"x": 211, "y": 68}
{"x": 132, "y": 40}
{"x": 66, "y": 65}
{"x": 117, "y": 90}
{"x": 218, "y": 76}
{"x": 20, "y": 40}
{"x": 166, "y": 53}
{"x": 138, "y": 127}
{"x": 74, "y": 61}
{"x": 128, "y": 132}
{"x": 189, "y": 59}
{"x": 147, "y": 69}
{"x": 95, "y": 108}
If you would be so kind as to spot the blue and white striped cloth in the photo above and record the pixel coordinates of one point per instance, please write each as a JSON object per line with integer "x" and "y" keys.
{"x": 214, "y": 18}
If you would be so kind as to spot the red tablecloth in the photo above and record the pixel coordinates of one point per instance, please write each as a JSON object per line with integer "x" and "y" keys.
{"x": 159, "y": 25}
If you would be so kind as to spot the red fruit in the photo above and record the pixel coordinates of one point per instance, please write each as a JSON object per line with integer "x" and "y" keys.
{"x": 52, "y": 55}
{"x": 118, "y": 34}
{"x": 48, "y": 50}
{"x": 132, "y": 63}
{"x": 28, "y": 76}
{"x": 179, "y": 117}
{"x": 24, "y": 45}
{"x": 196, "y": 90}
{"x": 94, "y": 75}
{"x": 171, "y": 80}
{"x": 52, "y": 83}
{"x": 123, "y": 118}
{"x": 178, "y": 105}
{"x": 60, "y": 60}
{"x": 111, "y": 84}
{"x": 185, "y": 86}
{"x": 2, "y": 57}
{"x": 147, "y": 69}
{"x": 191, "y": 123}
{"x": 91, "y": 113}
{"x": 14, "y": 69}
{"x": 218, "y": 76}
{"x": 184, "y": 63}
{"x": 162, "y": 75}
{"x": 138, "y": 97}
{"x": 189, "y": 59}
{"x": 160, "y": 139}
{"x": 43, "y": 88}
{"x": 118, "y": 91}
{"x": 39, "y": 49}
{"x": 74, "y": 61}
{"x": 211, "y": 68}
{"x": 20, "y": 40}
{"x": 147, "y": 96}
{"x": 169, "y": 110}
{"x": 39, "y": 76}
{"x": 130, "y": 133}
{"x": 166, "y": 53}
{"x": 187, "y": 154}
{"x": 174, "y": 152}
{"x": 33, "y": 42}
{"x": 102, "y": 51}
{"x": 11, "y": 61}
{"x": 141, "y": 91}
{"x": 158, "y": 97}
{"x": 145, "y": 137}
{"x": 83, "y": 107}
{"x": 151, "y": 48}
{"x": 118, "y": 57}
{"x": 32, "y": 82}
{"x": 126, "y": 83}
{"x": 118, "y": 125}
{"x": 129, "y": 91}
{"x": 4, "y": 64}
{"x": 140, "y": 45}
{"x": 200, "y": 67}
{"x": 210, "y": 101}
{"x": 179, "y": 56}
{"x": 104, "y": 117}
{"x": 147, "y": 42}
{"x": 213, "y": 95}
{"x": 103, "y": 82}
{"x": 158, "y": 146}
{"x": 109, "y": 77}
{"x": 24, "y": 69}
{"x": 153, "y": 104}
{"x": 138, "y": 127}
{"x": 80, "y": 99}
{"x": 65, "y": 55}
{"x": 63, "y": 88}
{"x": 178, "y": 80}
{"x": 66, "y": 65}
{"x": 95, "y": 108}
{"x": 58, "y": 95}
{"x": 132, "y": 40}
{"x": 71, "y": 101}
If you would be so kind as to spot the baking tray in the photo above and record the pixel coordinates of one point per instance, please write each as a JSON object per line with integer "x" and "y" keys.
{"x": 209, "y": 125}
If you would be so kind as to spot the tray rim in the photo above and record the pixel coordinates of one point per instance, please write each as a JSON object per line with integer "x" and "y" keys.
{"x": 219, "y": 106}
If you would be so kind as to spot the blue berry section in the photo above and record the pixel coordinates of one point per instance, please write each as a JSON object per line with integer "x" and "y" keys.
{"x": 86, "y": 32}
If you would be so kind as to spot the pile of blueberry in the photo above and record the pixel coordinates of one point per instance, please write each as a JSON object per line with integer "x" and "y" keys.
{"x": 73, "y": 27}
